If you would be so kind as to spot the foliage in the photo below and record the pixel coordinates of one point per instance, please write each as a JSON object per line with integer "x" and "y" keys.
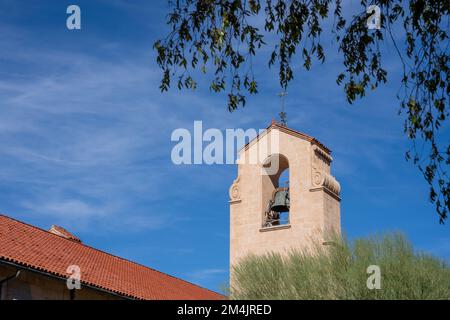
{"x": 224, "y": 35}
{"x": 339, "y": 272}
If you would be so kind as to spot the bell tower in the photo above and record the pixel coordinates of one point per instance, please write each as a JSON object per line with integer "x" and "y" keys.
{"x": 267, "y": 216}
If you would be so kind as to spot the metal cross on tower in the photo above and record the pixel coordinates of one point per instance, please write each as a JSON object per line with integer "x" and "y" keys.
{"x": 282, "y": 114}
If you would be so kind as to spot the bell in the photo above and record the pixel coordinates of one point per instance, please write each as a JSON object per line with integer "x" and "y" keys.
{"x": 281, "y": 200}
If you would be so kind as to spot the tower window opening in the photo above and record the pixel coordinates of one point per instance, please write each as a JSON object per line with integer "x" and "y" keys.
{"x": 277, "y": 212}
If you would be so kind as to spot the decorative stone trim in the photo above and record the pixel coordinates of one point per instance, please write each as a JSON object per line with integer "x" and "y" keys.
{"x": 234, "y": 192}
{"x": 323, "y": 179}
{"x": 321, "y": 154}
{"x": 273, "y": 228}
{"x": 328, "y": 191}
{"x": 320, "y": 178}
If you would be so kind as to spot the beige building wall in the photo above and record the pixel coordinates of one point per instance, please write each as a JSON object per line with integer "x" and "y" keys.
{"x": 314, "y": 194}
{"x": 31, "y": 285}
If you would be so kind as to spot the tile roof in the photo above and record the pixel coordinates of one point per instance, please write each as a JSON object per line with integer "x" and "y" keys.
{"x": 34, "y": 248}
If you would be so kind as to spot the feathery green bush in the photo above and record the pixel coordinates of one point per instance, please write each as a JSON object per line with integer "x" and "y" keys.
{"x": 339, "y": 271}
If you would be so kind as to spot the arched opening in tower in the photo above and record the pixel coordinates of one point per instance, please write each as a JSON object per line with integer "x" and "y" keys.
{"x": 275, "y": 187}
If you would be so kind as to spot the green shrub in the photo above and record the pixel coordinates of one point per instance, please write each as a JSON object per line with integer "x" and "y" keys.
{"x": 339, "y": 271}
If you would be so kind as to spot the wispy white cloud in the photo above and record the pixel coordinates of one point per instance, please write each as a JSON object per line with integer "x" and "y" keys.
{"x": 89, "y": 139}
{"x": 205, "y": 274}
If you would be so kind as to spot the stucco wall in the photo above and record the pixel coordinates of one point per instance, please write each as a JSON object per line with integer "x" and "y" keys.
{"x": 35, "y": 286}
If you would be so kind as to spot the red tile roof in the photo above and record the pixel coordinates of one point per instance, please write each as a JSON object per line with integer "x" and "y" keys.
{"x": 41, "y": 250}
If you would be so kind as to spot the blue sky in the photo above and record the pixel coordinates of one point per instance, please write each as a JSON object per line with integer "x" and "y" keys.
{"x": 85, "y": 136}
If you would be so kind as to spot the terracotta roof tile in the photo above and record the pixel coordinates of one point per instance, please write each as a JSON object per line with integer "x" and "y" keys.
{"x": 35, "y": 248}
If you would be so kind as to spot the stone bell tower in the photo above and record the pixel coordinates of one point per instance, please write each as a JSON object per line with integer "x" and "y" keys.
{"x": 266, "y": 217}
